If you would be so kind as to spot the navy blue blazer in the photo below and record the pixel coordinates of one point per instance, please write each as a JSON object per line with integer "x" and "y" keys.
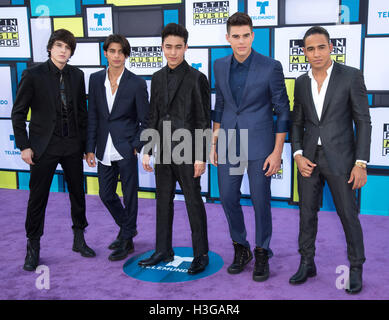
{"x": 264, "y": 92}
{"x": 126, "y": 120}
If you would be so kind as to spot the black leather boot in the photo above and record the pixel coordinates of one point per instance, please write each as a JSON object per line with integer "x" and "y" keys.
{"x": 307, "y": 268}
{"x": 115, "y": 244}
{"x": 32, "y": 257}
{"x": 79, "y": 244}
{"x": 355, "y": 280}
{"x": 261, "y": 267}
{"x": 198, "y": 264}
{"x": 125, "y": 248}
{"x": 242, "y": 257}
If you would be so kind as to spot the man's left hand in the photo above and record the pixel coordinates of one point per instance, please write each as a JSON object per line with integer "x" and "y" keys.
{"x": 359, "y": 176}
{"x": 199, "y": 168}
{"x": 274, "y": 163}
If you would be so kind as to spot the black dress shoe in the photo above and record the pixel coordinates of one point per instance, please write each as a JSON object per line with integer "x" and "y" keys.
{"x": 32, "y": 257}
{"x": 156, "y": 258}
{"x": 198, "y": 264}
{"x": 115, "y": 244}
{"x": 242, "y": 257}
{"x": 79, "y": 244}
{"x": 307, "y": 269}
{"x": 261, "y": 267}
{"x": 355, "y": 280}
{"x": 125, "y": 248}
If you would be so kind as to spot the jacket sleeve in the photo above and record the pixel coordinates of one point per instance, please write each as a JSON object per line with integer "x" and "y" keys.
{"x": 142, "y": 109}
{"x": 279, "y": 98}
{"x": 92, "y": 117}
{"x": 297, "y": 130}
{"x": 82, "y": 111}
{"x": 217, "y": 113}
{"x": 153, "y": 113}
{"x": 361, "y": 116}
{"x": 20, "y": 109}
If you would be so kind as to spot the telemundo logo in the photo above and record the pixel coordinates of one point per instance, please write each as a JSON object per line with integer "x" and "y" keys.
{"x": 99, "y": 17}
{"x": 263, "y": 6}
{"x": 174, "y": 271}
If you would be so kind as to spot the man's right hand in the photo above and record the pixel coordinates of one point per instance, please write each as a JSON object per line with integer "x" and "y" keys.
{"x": 27, "y": 155}
{"x": 91, "y": 159}
{"x": 304, "y": 165}
{"x": 146, "y": 163}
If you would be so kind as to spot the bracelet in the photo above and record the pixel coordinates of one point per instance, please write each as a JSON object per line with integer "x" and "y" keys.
{"x": 360, "y": 164}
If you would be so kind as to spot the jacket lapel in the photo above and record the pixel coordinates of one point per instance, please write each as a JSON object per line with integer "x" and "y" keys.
{"x": 309, "y": 96}
{"x": 332, "y": 85}
{"x": 49, "y": 79}
{"x": 227, "y": 80}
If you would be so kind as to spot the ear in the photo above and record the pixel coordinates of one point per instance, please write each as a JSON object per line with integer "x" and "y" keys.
{"x": 105, "y": 53}
{"x": 186, "y": 47}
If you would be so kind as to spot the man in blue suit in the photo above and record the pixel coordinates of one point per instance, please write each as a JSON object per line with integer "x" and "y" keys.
{"x": 117, "y": 108}
{"x": 249, "y": 86}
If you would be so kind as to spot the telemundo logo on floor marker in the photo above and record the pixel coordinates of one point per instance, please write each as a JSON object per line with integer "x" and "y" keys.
{"x": 174, "y": 271}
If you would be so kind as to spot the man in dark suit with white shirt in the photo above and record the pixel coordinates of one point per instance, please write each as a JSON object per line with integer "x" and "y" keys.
{"x": 329, "y": 99}
{"x": 118, "y": 104}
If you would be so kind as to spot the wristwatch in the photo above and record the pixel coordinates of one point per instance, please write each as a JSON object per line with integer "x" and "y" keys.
{"x": 360, "y": 164}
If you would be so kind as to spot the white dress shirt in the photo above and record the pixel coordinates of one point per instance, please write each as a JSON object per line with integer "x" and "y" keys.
{"x": 318, "y": 97}
{"x": 110, "y": 152}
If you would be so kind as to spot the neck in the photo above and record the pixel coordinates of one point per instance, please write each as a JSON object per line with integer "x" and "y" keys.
{"x": 321, "y": 71}
{"x": 241, "y": 59}
{"x": 115, "y": 71}
{"x": 175, "y": 66}
{"x": 60, "y": 66}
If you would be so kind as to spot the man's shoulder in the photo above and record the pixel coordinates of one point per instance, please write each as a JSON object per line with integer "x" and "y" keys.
{"x": 347, "y": 70}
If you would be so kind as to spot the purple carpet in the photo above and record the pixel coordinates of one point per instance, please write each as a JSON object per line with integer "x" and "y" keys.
{"x": 74, "y": 277}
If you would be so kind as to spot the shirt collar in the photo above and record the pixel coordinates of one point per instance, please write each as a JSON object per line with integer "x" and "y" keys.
{"x": 117, "y": 81}
{"x": 176, "y": 69}
{"x": 245, "y": 63}
{"x": 53, "y": 68}
{"x": 329, "y": 70}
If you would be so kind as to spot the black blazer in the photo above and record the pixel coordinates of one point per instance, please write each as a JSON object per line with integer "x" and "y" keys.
{"x": 36, "y": 90}
{"x": 188, "y": 108}
{"x": 127, "y": 117}
{"x": 345, "y": 103}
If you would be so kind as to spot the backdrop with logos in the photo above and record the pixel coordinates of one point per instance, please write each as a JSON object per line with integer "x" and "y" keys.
{"x": 359, "y": 31}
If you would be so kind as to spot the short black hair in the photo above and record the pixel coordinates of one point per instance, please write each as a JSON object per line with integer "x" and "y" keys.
{"x": 239, "y": 19}
{"x": 316, "y": 30}
{"x": 174, "y": 29}
{"x": 118, "y": 38}
{"x": 62, "y": 35}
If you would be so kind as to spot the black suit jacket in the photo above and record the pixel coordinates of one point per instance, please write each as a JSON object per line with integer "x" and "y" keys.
{"x": 188, "y": 108}
{"x": 36, "y": 90}
{"x": 127, "y": 117}
{"x": 345, "y": 104}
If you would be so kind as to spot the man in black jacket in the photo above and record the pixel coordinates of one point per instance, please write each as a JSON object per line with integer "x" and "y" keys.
{"x": 329, "y": 100}
{"x": 55, "y": 92}
{"x": 180, "y": 99}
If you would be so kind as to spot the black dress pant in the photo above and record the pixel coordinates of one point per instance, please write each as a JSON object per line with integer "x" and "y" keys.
{"x": 166, "y": 176}
{"x": 66, "y": 152}
{"x": 310, "y": 193}
{"x": 125, "y": 217}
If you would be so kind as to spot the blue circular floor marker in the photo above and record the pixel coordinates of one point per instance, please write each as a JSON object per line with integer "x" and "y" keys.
{"x": 174, "y": 271}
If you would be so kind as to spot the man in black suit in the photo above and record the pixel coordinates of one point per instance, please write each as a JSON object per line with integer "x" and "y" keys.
{"x": 118, "y": 105}
{"x": 328, "y": 100}
{"x": 55, "y": 92}
{"x": 180, "y": 98}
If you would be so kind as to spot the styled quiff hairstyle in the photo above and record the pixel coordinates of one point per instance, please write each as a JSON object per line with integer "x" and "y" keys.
{"x": 239, "y": 19}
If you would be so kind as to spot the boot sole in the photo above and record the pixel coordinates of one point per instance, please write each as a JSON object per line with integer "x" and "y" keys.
{"x": 29, "y": 268}
{"x": 311, "y": 275}
{"x": 239, "y": 271}
{"x": 260, "y": 278}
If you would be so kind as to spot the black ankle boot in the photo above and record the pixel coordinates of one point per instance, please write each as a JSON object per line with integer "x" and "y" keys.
{"x": 32, "y": 257}
{"x": 355, "y": 280}
{"x": 242, "y": 257}
{"x": 124, "y": 249}
{"x": 79, "y": 244}
{"x": 307, "y": 268}
{"x": 261, "y": 267}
